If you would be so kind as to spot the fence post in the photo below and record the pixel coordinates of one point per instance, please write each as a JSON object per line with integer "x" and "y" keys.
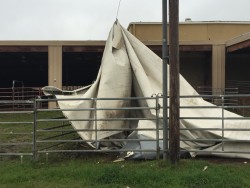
{"x": 222, "y": 118}
{"x": 34, "y": 130}
{"x": 157, "y": 108}
{"x": 13, "y": 98}
{"x": 95, "y": 117}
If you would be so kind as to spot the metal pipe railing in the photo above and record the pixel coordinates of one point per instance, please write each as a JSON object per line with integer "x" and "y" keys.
{"x": 44, "y": 136}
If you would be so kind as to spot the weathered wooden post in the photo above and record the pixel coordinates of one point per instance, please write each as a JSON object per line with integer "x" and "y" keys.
{"x": 174, "y": 111}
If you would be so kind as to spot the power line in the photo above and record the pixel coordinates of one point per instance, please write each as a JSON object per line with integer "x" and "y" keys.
{"x": 118, "y": 9}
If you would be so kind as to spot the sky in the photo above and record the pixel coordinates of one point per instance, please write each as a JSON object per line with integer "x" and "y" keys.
{"x": 92, "y": 19}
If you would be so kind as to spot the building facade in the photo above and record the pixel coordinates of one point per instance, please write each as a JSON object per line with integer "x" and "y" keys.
{"x": 212, "y": 54}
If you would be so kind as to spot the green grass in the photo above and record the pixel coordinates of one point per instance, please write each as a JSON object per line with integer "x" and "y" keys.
{"x": 100, "y": 173}
{"x": 22, "y": 132}
{"x": 98, "y": 170}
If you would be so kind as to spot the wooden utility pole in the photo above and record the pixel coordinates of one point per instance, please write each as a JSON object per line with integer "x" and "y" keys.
{"x": 174, "y": 111}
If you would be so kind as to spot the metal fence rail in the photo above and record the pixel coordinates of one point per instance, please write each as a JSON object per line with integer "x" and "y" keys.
{"x": 42, "y": 131}
{"x": 20, "y": 93}
{"x": 16, "y": 134}
{"x": 13, "y": 98}
{"x": 62, "y": 137}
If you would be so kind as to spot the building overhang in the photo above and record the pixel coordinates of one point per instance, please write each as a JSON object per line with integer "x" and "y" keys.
{"x": 240, "y": 43}
{"x": 184, "y": 46}
{"x": 42, "y": 46}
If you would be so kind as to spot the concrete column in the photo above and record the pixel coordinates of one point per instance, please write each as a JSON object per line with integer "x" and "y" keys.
{"x": 218, "y": 68}
{"x": 55, "y": 68}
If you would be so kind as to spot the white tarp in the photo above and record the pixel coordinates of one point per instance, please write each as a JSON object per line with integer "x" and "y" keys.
{"x": 128, "y": 66}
